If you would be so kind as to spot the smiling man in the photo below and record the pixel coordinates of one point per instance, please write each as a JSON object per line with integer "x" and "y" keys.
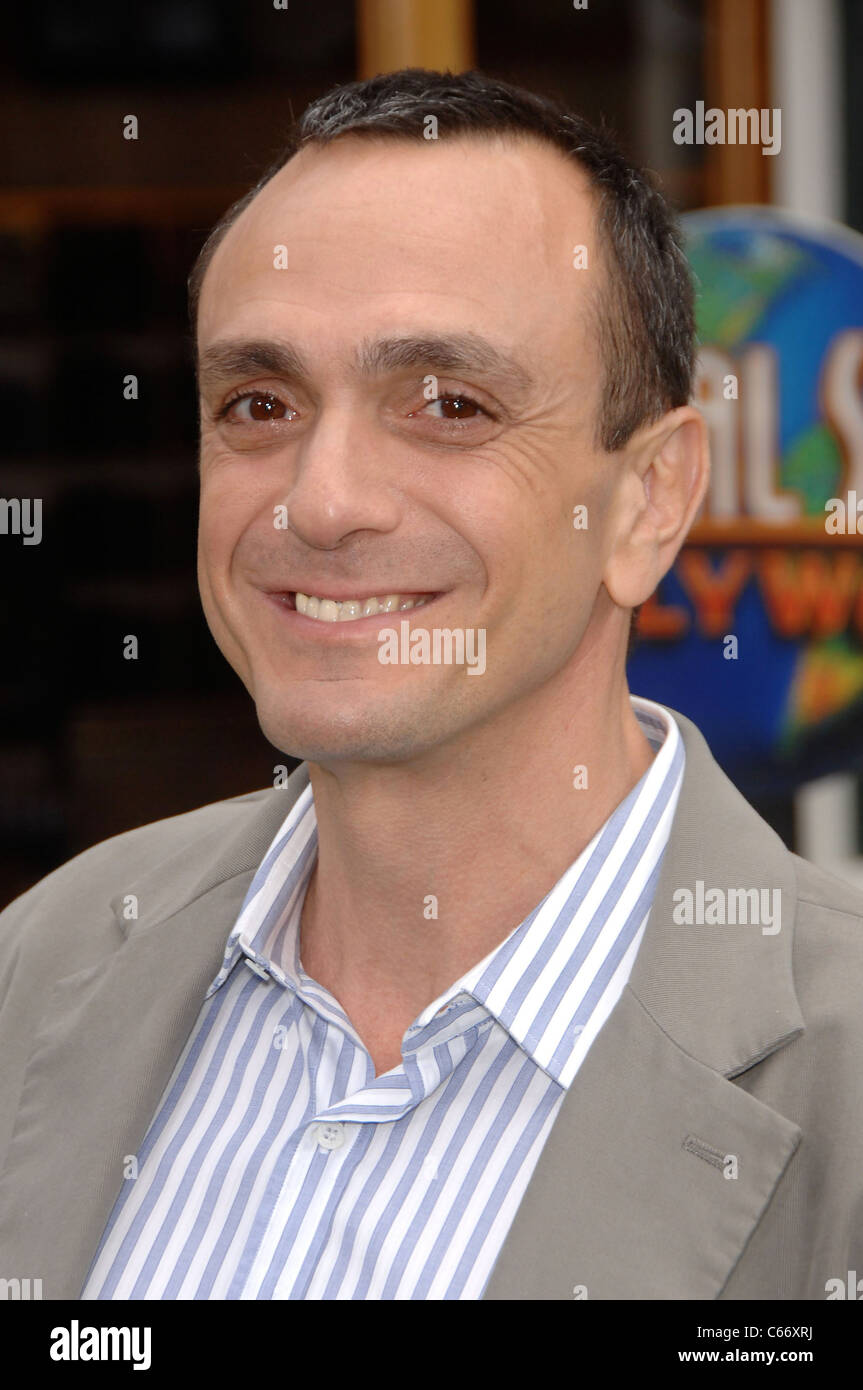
{"x": 423, "y": 1024}
{"x": 313, "y": 397}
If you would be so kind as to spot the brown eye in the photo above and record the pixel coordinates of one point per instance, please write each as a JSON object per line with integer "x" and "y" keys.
{"x": 265, "y": 407}
{"x": 260, "y": 405}
{"x": 457, "y": 407}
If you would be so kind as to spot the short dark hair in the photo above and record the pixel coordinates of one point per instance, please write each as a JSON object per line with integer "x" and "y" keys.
{"x": 645, "y": 315}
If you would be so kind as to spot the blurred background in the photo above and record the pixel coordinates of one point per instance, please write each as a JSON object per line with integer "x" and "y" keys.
{"x": 98, "y": 233}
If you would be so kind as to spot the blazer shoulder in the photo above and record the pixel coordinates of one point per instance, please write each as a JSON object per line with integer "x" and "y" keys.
{"x": 821, "y": 894}
{"x": 123, "y": 857}
{"x": 828, "y": 959}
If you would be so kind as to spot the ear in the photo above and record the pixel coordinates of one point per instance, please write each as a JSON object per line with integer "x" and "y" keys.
{"x": 665, "y": 470}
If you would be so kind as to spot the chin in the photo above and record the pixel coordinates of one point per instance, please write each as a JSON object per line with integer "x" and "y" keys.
{"x": 376, "y": 733}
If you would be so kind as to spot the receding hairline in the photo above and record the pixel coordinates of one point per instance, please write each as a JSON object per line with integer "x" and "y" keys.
{"x": 367, "y": 136}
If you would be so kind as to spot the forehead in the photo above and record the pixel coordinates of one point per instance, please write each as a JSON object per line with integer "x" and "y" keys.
{"x": 369, "y": 234}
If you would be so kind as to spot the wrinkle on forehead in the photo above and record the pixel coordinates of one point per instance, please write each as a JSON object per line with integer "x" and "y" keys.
{"x": 493, "y": 221}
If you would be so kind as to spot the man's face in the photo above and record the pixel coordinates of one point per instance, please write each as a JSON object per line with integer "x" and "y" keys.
{"x": 387, "y": 492}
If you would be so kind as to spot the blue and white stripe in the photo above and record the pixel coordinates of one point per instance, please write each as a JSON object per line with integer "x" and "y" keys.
{"x": 277, "y": 1166}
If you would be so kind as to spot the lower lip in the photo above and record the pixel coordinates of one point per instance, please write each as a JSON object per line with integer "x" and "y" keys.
{"x": 342, "y": 631}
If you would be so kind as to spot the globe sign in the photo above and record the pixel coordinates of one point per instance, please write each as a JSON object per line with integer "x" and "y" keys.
{"x": 757, "y": 631}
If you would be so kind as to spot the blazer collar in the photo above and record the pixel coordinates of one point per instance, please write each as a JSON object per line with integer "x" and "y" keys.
{"x": 724, "y": 993}
{"x": 182, "y": 879}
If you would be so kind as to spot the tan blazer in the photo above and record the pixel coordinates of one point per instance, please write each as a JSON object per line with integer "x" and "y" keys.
{"x": 710, "y": 1147}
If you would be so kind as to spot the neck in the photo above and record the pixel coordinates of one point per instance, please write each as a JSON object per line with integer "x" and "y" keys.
{"x": 425, "y": 867}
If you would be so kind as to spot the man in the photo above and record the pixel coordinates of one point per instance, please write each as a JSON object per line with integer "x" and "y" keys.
{"x": 438, "y": 1020}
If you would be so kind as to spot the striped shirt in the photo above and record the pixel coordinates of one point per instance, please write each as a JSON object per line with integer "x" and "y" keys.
{"x": 278, "y": 1166}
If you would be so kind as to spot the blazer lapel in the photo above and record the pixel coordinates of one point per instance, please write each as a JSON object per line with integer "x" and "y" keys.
{"x": 658, "y": 1167}
{"x": 110, "y": 1039}
{"x": 629, "y": 1199}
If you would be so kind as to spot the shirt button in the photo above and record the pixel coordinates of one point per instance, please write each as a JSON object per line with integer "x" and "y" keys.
{"x": 331, "y": 1136}
{"x": 257, "y": 969}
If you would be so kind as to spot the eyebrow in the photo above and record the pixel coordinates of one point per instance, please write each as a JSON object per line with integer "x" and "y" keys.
{"x": 457, "y": 353}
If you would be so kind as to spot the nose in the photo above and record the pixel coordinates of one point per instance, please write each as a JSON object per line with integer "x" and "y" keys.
{"x": 341, "y": 481}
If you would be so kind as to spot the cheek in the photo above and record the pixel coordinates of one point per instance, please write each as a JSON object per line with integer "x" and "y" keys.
{"x": 556, "y": 591}
{"x": 226, "y": 508}
{"x": 215, "y": 546}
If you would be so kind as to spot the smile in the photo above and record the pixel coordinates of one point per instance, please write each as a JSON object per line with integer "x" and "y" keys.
{"x": 330, "y": 610}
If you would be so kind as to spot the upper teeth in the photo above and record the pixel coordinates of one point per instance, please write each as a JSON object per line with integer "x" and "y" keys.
{"x": 330, "y": 610}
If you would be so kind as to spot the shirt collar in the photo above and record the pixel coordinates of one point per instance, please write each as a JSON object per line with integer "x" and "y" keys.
{"x": 540, "y": 982}
{"x": 562, "y": 944}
